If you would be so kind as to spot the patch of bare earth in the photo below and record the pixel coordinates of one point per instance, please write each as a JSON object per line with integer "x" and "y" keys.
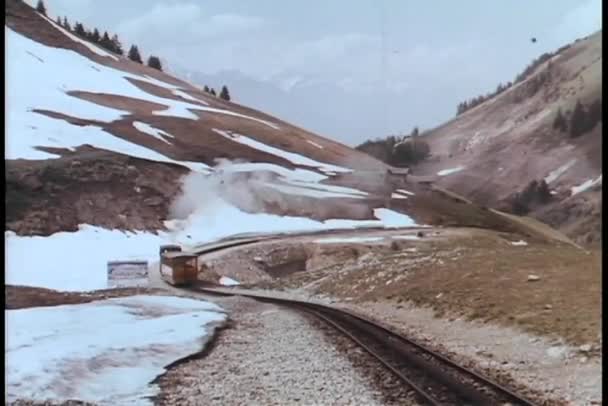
{"x": 88, "y": 187}
{"x": 21, "y": 297}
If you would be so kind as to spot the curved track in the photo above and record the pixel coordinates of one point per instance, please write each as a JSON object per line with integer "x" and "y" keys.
{"x": 436, "y": 379}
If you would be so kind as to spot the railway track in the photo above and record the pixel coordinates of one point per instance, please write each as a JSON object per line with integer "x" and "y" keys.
{"x": 435, "y": 379}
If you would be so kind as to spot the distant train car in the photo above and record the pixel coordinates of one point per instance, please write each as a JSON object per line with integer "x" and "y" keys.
{"x": 176, "y": 267}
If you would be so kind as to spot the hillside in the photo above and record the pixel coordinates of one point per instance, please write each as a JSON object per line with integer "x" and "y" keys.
{"x": 495, "y": 150}
{"x": 105, "y": 151}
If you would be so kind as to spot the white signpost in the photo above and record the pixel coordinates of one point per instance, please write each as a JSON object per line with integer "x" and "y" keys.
{"x": 127, "y": 274}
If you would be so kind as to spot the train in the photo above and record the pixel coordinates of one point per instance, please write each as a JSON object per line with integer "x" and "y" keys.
{"x": 180, "y": 268}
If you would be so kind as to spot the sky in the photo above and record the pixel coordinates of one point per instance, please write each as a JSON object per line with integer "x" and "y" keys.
{"x": 381, "y": 66}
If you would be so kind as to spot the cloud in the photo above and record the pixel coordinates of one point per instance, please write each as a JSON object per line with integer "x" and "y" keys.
{"x": 189, "y": 23}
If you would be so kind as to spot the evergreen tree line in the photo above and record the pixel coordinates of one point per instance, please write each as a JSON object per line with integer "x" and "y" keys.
{"x": 581, "y": 121}
{"x": 469, "y": 104}
{"x": 114, "y": 45}
{"x": 110, "y": 43}
{"x": 397, "y": 151}
{"x": 536, "y": 192}
{"x": 224, "y": 93}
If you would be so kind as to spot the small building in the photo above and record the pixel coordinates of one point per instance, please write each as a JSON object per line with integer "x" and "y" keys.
{"x": 127, "y": 274}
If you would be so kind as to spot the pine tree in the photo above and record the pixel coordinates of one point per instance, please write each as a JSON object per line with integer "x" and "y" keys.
{"x": 577, "y": 120}
{"x": 206, "y": 89}
{"x": 106, "y": 42}
{"x": 414, "y": 132}
{"x": 542, "y": 191}
{"x": 154, "y": 62}
{"x": 594, "y": 115}
{"x": 95, "y": 37}
{"x": 79, "y": 30}
{"x": 41, "y": 8}
{"x": 134, "y": 54}
{"x": 58, "y": 21}
{"x": 559, "y": 123}
{"x": 66, "y": 24}
{"x": 117, "y": 45}
{"x": 212, "y": 91}
{"x": 224, "y": 94}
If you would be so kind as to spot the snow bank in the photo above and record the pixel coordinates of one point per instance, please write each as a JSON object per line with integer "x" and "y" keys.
{"x": 73, "y": 261}
{"x": 226, "y": 281}
{"x": 559, "y": 171}
{"x": 294, "y": 158}
{"x": 58, "y": 353}
{"x": 445, "y": 172}
{"x": 148, "y": 129}
{"x": 341, "y": 240}
{"x": 586, "y": 185}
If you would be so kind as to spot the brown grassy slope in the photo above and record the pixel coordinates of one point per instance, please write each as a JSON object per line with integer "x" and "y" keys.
{"x": 474, "y": 274}
{"x": 509, "y": 141}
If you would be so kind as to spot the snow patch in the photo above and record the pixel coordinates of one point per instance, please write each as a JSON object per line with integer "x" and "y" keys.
{"x": 586, "y": 185}
{"x": 519, "y": 243}
{"x": 57, "y": 353}
{"x": 186, "y": 96}
{"x": 61, "y": 134}
{"x": 398, "y": 196}
{"x": 405, "y": 237}
{"x": 310, "y": 191}
{"x": 406, "y": 192}
{"x": 226, "y": 281}
{"x": 294, "y": 158}
{"x": 148, "y": 129}
{"x": 445, "y": 172}
{"x": 559, "y": 171}
{"x": 315, "y": 144}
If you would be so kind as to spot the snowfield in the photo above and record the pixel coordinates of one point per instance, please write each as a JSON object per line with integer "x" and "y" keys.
{"x": 57, "y": 353}
{"x": 73, "y": 261}
{"x": 72, "y": 72}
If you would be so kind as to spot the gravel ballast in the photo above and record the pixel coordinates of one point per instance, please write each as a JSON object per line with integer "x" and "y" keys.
{"x": 270, "y": 355}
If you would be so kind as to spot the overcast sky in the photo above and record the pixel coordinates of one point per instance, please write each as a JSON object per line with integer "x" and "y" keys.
{"x": 437, "y": 51}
